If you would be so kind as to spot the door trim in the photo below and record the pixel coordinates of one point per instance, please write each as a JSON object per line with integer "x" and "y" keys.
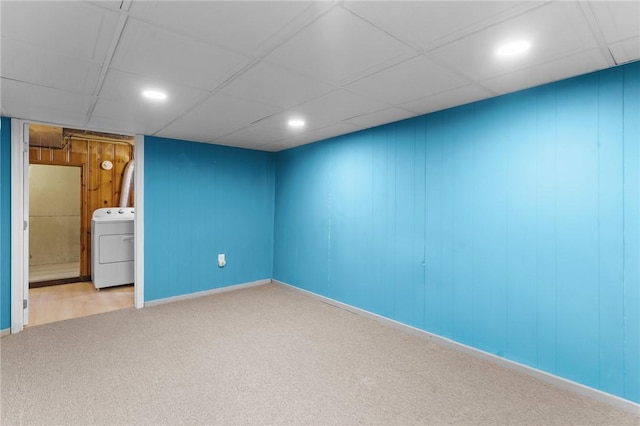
{"x": 19, "y": 244}
{"x": 138, "y": 222}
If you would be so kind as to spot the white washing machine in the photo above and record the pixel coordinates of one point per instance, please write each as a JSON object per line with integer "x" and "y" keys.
{"x": 112, "y": 246}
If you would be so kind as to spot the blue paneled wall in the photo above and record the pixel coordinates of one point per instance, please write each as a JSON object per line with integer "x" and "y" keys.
{"x": 201, "y": 200}
{"x": 511, "y": 225}
{"x": 5, "y": 223}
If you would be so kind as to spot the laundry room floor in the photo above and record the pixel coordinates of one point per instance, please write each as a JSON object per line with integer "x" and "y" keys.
{"x": 54, "y": 271}
{"x": 66, "y": 301}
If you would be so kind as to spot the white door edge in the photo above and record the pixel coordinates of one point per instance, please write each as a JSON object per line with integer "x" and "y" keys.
{"x": 138, "y": 176}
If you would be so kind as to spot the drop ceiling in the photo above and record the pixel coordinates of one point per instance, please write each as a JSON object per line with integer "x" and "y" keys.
{"x": 236, "y": 72}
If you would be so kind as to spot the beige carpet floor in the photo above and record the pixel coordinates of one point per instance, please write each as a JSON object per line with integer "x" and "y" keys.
{"x": 264, "y": 355}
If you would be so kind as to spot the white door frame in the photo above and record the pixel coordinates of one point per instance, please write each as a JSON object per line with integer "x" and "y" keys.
{"x": 19, "y": 235}
{"x": 19, "y": 240}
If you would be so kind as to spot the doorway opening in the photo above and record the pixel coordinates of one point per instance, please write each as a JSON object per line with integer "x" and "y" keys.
{"x": 72, "y": 174}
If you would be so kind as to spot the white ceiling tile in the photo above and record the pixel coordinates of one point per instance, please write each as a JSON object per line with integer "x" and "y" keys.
{"x": 109, "y": 4}
{"x": 291, "y": 142}
{"x": 275, "y": 147}
{"x": 121, "y": 101}
{"x": 69, "y": 28}
{"x": 142, "y": 118}
{"x": 275, "y": 86}
{"x": 218, "y": 116}
{"x": 119, "y": 126}
{"x": 626, "y": 50}
{"x": 144, "y": 49}
{"x": 29, "y": 101}
{"x": 379, "y": 118}
{"x": 127, "y": 88}
{"x": 339, "y": 46}
{"x": 271, "y": 148}
{"x": 192, "y": 134}
{"x": 334, "y": 130}
{"x": 555, "y": 30}
{"x": 448, "y": 99}
{"x": 329, "y": 109}
{"x": 424, "y": 23}
{"x": 416, "y": 78}
{"x": 253, "y": 136}
{"x": 24, "y": 62}
{"x": 243, "y": 26}
{"x": 540, "y": 74}
{"x": 306, "y": 136}
{"x": 618, "y": 20}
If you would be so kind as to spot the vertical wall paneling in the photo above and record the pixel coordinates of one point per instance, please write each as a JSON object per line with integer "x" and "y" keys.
{"x": 311, "y": 220}
{"x": 433, "y": 230}
{"x": 163, "y": 239}
{"x": 5, "y": 223}
{"x": 521, "y": 179}
{"x": 511, "y": 225}
{"x": 610, "y": 142}
{"x": 631, "y": 214}
{"x": 378, "y": 300}
{"x": 577, "y": 229}
{"x": 489, "y": 226}
{"x": 388, "y": 290}
{"x": 546, "y": 229}
{"x": 406, "y": 234}
{"x": 462, "y": 215}
{"x": 439, "y": 226}
{"x": 202, "y": 200}
{"x": 349, "y": 219}
{"x": 419, "y": 207}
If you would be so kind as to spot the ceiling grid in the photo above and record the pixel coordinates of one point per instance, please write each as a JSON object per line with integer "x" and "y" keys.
{"x": 236, "y": 72}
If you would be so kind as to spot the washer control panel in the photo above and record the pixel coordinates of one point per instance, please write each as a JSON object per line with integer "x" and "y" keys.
{"x": 114, "y": 213}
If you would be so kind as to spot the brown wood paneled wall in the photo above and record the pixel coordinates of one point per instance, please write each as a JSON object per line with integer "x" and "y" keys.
{"x": 100, "y": 188}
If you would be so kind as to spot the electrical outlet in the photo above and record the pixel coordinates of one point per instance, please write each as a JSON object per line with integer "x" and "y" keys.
{"x": 221, "y": 260}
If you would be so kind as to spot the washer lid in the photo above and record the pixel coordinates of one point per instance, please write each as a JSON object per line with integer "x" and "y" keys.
{"x": 114, "y": 213}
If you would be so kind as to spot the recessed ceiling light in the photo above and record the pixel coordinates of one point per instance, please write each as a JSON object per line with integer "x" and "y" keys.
{"x": 155, "y": 95}
{"x": 296, "y": 123}
{"x": 514, "y": 48}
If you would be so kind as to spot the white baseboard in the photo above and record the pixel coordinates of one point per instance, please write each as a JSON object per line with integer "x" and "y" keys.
{"x": 206, "y": 292}
{"x": 5, "y": 332}
{"x": 569, "y": 385}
